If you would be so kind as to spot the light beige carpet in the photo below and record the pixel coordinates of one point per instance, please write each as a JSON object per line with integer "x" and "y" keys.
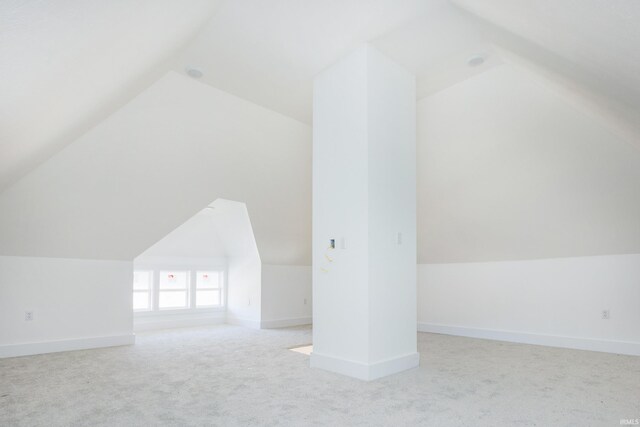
{"x": 232, "y": 376}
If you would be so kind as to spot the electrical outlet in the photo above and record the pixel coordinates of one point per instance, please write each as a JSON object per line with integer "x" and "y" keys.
{"x": 606, "y": 315}
{"x": 305, "y": 301}
{"x": 28, "y": 316}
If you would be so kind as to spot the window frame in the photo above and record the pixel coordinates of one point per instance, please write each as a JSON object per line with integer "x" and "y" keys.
{"x": 192, "y": 269}
{"x": 219, "y": 288}
{"x": 186, "y": 289}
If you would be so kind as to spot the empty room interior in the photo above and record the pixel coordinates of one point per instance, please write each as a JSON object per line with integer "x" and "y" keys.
{"x": 319, "y": 213}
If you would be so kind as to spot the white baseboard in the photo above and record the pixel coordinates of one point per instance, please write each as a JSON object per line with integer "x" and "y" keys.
{"x": 241, "y": 321}
{"x": 606, "y": 346}
{"x": 28, "y": 349}
{"x": 170, "y": 322}
{"x": 284, "y": 323}
{"x": 362, "y": 371}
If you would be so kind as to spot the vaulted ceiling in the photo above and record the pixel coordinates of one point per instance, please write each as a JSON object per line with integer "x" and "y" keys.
{"x": 66, "y": 65}
{"x": 101, "y": 90}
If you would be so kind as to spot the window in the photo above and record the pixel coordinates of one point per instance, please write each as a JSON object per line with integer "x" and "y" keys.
{"x": 208, "y": 289}
{"x": 142, "y": 290}
{"x": 173, "y": 289}
{"x": 182, "y": 289}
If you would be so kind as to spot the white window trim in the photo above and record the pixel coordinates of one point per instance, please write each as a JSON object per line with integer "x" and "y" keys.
{"x": 186, "y": 289}
{"x": 191, "y": 298}
{"x": 220, "y": 288}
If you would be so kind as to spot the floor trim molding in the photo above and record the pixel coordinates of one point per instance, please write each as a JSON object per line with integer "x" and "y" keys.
{"x": 605, "y": 346}
{"x": 362, "y": 371}
{"x": 283, "y": 323}
{"x": 29, "y": 349}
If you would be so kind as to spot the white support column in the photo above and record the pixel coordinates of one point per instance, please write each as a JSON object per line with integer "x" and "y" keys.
{"x": 364, "y": 198}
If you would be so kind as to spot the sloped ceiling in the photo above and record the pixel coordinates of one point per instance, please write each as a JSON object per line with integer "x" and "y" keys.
{"x": 156, "y": 162}
{"x": 65, "y": 65}
{"x": 268, "y": 52}
{"x": 145, "y": 150}
{"x": 197, "y": 237}
{"x": 222, "y": 229}
{"x": 508, "y": 170}
{"x": 590, "y": 49}
{"x": 598, "y": 39}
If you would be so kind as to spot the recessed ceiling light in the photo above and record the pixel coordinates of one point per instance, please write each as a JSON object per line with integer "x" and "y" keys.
{"x": 475, "y": 61}
{"x": 196, "y": 73}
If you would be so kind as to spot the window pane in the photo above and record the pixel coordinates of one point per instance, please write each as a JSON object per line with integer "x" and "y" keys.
{"x": 142, "y": 280}
{"x": 208, "y": 279}
{"x": 173, "y": 299}
{"x": 174, "y": 279}
{"x": 141, "y": 301}
{"x": 207, "y": 298}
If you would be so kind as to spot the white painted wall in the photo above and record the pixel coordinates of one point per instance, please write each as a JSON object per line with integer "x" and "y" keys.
{"x": 523, "y": 203}
{"x": 286, "y": 295}
{"x": 126, "y": 183}
{"x": 220, "y": 236}
{"x": 340, "y": 182}
{"x": 67, "y": 74}
{"x": 244, "y": 295}
{"x": 179, "y": 320}
{"x": 556, "y": 302}
{"x": 502, "y": 159}
{"x": 175, "y": 262}
{"x": 235, "y": 228}
{"x": 76, "y": 304}
{"x": 391, "y": 131}
{"x": 363, "y": 196}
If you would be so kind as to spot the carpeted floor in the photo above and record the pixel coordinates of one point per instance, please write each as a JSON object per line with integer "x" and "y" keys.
{"x": 232, "y": 376}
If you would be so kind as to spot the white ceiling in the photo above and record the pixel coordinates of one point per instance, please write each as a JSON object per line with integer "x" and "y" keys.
{"x": 197, "y": 237}
{"x": 589, "y": 48}
{"x": 268, "y": 52}
{"x": 508, "y": 170}
{"x": 156, "y": 162}
{"x": 66, "y": 65}
{"x": 598, "y": 39}
{"x": 222, "y": 229}
{"x": 94, "y": 73}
